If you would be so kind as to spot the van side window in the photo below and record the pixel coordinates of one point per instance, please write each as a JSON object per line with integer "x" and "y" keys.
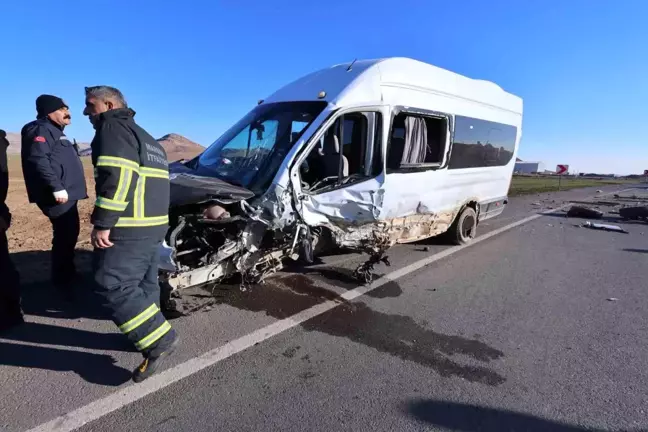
{"x": 480, "y": 143}
{"x": 416, "y": 141}
{"x": 348, "y": 152}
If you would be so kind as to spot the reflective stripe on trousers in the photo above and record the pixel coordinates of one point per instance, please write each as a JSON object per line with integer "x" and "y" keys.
{"x": 137, "y": 321}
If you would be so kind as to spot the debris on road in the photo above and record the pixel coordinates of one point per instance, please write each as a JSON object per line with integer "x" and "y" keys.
{"x": 597, "y": 203}
{"x": 584, "y": 212}
{"x": 604, "y": 227}
{"x": 634, "y": 213}
{"x": 613, "y": 299}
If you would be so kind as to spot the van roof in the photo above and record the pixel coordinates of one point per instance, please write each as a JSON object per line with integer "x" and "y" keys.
{"x": 365, "y": 82}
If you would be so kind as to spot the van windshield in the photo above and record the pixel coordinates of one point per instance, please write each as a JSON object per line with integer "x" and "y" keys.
{"x": 259, "y": 141}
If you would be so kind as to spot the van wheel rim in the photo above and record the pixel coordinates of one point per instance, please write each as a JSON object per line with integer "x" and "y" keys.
{"x": 468, "y": 228}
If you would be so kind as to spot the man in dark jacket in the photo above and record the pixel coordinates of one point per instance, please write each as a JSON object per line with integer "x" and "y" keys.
{"x": 130, "y": 218}
{"x": 55, "y": 182}
{"x": 10, "y": 313}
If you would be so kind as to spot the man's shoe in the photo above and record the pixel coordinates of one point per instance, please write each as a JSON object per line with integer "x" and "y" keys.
{"x": 11, "y": 321}
{"x": 152, "y": 363}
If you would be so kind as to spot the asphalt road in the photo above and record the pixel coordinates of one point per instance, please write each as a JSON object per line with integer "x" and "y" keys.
{"x": 541, "y": 327}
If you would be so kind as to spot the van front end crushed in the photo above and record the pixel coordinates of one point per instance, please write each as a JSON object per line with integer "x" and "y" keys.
{"x": 210, "y": 242}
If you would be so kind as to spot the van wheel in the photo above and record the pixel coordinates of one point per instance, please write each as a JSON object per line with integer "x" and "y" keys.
{"x": 465, "y": 227}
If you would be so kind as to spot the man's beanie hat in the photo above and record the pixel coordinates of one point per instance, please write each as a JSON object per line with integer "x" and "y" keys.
{"x": 47, "y": 104}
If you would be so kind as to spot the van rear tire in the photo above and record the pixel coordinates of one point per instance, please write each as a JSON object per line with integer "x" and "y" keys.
{"x": 464, "y": 229}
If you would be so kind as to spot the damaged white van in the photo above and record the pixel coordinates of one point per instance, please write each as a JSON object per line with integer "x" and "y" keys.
{"x": 360, "y": 156}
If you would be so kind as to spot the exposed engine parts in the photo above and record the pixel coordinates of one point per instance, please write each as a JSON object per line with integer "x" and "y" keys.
{"x": 209, "y": 242}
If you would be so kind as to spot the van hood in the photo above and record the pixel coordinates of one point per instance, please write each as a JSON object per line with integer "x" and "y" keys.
{"x": 195, "y": 185}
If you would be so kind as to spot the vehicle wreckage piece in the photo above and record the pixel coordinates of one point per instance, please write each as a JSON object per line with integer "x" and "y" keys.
{"x": 376, "y": 238}
{"x": 364, "y": 272}
{"x": 604, "y": 227}
{"x": 584, "y": 212}
{"x": 634, "y": 213}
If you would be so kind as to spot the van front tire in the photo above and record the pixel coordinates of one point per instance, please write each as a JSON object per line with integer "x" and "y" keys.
{"x": 464, "y": 229}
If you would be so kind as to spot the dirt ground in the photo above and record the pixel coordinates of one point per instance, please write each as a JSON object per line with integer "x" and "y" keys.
{"x": 30, "y": 235}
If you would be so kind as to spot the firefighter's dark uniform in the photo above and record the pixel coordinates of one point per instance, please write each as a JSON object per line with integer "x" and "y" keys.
{"x": 132, "y": 186}
{"x": 50, "y": 164}
{"x": 10, "y": 313}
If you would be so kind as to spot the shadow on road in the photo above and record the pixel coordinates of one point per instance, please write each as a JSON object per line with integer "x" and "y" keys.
{"x": 469, "y": 418}
{"x": 339, "y": 276}
{"x": 46, "y": 334}
{"x": 94, "y": 368}
{"x": 40, "y": 298}
{"x": 397, "y": 335}
{"x": 641, "y": 251}
{"x": 440, "y": 240}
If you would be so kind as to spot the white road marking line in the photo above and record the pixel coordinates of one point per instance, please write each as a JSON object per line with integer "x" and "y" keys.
{"x": 113, "y": 402}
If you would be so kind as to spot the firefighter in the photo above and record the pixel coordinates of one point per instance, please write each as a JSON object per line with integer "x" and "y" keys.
{"x": 55, "y": 182}
{"x": 130, "y": 220}
{"x": 10, "y": 312}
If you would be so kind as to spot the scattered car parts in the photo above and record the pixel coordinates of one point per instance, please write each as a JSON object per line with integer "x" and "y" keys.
{"x": 605, "y": 227}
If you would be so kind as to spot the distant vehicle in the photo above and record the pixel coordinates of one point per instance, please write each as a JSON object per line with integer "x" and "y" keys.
{"x": 362, "y": 156}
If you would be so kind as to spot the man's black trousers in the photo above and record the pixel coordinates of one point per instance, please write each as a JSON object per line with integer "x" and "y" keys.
{"x": 65, "y": 224}
{"x": 126, "y": 278}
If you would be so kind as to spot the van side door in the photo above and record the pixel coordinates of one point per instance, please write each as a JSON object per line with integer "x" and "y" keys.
{"x": 338, "y": 180}
{"x": 416, "y": 172}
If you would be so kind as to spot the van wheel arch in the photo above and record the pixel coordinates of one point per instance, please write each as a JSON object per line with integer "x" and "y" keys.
{"x": 463, "y": 228}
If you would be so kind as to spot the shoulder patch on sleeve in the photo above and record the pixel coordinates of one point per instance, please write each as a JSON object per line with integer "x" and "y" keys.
{"x": 40, "y": 139}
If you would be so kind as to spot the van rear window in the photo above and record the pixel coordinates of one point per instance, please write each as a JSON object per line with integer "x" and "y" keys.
{"x": 480, "y": 143}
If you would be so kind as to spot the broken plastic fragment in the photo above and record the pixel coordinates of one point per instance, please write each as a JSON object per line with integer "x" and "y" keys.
{"x": 603, "y": 227}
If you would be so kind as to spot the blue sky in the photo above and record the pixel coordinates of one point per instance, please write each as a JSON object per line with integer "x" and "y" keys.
{"x": 195, "y": 67}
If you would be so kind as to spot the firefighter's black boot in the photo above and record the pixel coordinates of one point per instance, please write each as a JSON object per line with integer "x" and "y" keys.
{"x": 154, "y": 358}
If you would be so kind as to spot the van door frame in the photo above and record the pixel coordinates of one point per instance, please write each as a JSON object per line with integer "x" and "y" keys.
{"x": 295, "y": 177}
